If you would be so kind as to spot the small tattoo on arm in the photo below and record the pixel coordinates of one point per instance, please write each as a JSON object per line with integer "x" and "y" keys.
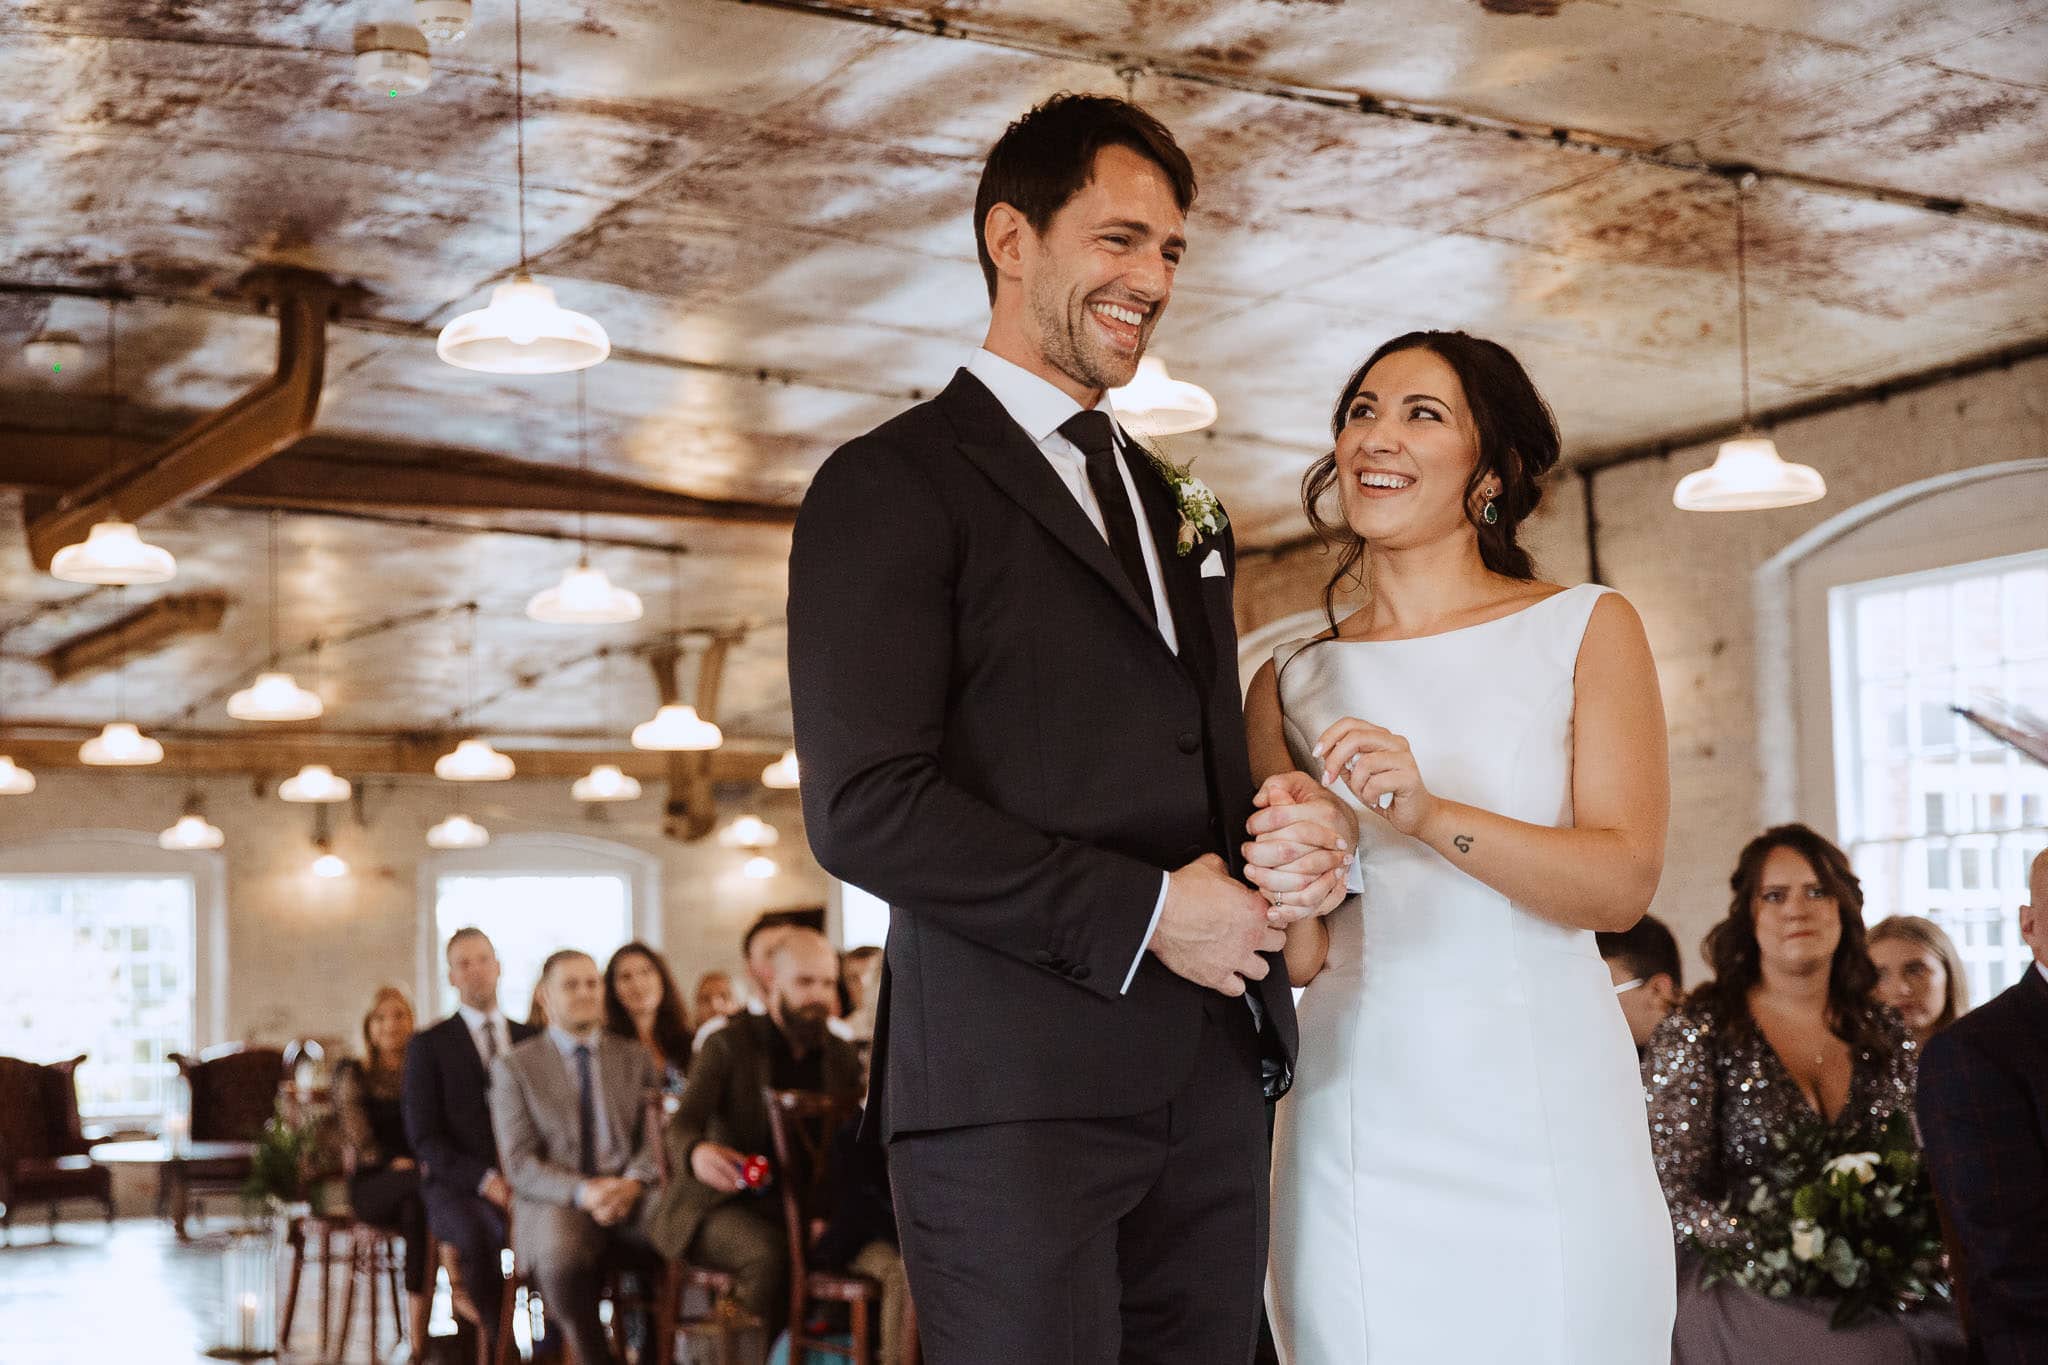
{"x": 1464, "y": 843}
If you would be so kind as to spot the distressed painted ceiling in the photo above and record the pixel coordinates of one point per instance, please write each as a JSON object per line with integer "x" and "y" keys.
{"x": 767, "y": 206}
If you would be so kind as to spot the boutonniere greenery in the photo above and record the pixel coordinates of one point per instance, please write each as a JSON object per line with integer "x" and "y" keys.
{"x": 1201, "y": 514}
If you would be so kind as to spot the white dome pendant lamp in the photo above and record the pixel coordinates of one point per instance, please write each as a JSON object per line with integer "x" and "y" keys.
{"x": 523, "y": 330}
{"x": 275, "y": 695}
{"x": 584, "y": 597}
{"x": 1748, "y": 474}
{"x": 113, "y": 552}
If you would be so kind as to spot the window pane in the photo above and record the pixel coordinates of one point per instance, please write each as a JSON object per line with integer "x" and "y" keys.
{"x": 527, "y": 917}
{"x": 99, "y": 965}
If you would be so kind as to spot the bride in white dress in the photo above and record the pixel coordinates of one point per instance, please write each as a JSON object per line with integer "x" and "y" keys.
{"x": 1462, "y": 1172}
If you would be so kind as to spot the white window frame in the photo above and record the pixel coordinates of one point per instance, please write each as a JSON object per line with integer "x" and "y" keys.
{"x": 114, "y": 853}
{"x": 534, "y": 855}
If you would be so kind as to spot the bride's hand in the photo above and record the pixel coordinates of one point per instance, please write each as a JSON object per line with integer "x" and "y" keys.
{"x": 1300, "y": 853}
{"x": 1376, "y": 764}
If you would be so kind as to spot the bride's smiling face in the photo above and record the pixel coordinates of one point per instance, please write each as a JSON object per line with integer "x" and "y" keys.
{"x": 1406, "y": 453}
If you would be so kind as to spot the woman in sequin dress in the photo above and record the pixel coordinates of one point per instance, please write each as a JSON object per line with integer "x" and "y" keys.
{"x": 1787, "y": 1030}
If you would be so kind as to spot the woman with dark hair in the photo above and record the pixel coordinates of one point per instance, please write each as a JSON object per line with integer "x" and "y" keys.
{"x": 1463, "y": 1063}
{"x": 1919, "y": 973}
{"x": 383, "y": 1175}
{"x": 1788, "y": 1031}
{"x": 641, "y": 1003}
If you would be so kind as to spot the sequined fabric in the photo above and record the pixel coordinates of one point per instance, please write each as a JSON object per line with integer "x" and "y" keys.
{"x": 1717, "y": 1093}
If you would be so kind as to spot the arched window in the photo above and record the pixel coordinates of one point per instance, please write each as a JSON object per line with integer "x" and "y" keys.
{"x": 533, "y": 894}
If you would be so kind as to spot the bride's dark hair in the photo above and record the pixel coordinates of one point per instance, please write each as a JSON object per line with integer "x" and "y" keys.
{"x": 1518, "y": 443}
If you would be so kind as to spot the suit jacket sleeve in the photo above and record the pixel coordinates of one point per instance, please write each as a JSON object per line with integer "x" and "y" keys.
{"x": 871, "y": 585}
{"x": 703, "y": 1091}
{"x": 645, "y": 1164}
{"x": 426, "y": 1118}
{"x": 1990, "y": 1171}
{"x": 521, "y": 1149}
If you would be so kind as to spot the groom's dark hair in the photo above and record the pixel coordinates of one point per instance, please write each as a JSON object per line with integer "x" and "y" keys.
{"x": 1047, "y": 157}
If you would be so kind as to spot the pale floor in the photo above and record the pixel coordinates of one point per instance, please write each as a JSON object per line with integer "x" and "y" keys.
{"x": 134, "y": 1294}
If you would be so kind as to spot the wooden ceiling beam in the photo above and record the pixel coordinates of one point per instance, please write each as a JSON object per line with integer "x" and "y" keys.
{"x": 325, "y": 475}
{"x": 267, "y": 419}
{"x": 370, "y": 755}
{"x": 142, "y": 631}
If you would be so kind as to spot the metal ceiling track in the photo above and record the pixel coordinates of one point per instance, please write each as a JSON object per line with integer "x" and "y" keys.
{"x": 1581, "y": 140}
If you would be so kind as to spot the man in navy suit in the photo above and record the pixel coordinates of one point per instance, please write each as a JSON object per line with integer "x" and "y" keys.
{"x": 1983, "y": 1110}
{"x": 448, "y": 1118}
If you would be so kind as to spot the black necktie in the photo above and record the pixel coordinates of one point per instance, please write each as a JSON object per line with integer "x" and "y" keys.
{"x": 586, "y": 1112}
{"x": 1090, "y": 432}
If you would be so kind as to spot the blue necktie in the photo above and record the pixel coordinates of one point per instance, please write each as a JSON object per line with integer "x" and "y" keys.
{"x": 586, "y": 1112}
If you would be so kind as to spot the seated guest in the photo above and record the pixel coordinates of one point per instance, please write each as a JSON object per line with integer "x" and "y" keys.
{"x": 713, "y": 999}
{"x": 578, "y": 1148}
{"x": 1648, "y": 978}
{"x": 383, "y": 1177}
{"x": 707, "y": 1215}
{"x": 1919, "y": 973}
{"x": 640, "y": 1003}
{"x": 448, "y": 1120}
{"x": 1787, "y": 1032}
{"x": 1984, "y": 1116}
{"x": 757, "y": 950}
{"x": 859, "y": 1236}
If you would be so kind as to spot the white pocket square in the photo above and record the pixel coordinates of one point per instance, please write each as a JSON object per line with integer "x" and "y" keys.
{"x": 1212, "y": 567}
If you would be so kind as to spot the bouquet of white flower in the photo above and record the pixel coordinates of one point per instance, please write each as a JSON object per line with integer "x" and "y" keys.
{"x": 1857, "y": 1226}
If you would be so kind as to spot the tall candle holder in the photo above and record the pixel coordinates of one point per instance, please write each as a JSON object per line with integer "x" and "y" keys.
{"x": 248, "y": 1296}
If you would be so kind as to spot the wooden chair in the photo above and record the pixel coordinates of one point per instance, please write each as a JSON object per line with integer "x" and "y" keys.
{"x": 43, "y": 1144}
{"x": 803, "y": 1124}
{"x": 374, "y": 1259}
{"x": 233, "y": 1091}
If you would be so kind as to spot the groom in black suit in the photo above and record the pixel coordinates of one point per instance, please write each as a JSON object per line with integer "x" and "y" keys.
{"x": 1018, "y": 717}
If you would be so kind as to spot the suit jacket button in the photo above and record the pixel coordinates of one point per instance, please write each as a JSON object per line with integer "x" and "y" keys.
{"x": 1043, "y": 957}
{"x": 1187, "y": 743}
{"x": 1080, "y": 973}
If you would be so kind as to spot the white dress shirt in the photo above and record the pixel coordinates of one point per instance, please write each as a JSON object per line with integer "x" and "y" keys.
{"x": 1039, "y": 407}
{"x": 500, "y": 1041}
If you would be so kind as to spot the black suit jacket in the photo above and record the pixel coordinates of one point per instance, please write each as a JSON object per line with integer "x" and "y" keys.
{"x": 447, "y": 1104}
{"x": 1983, "y": 1109}
{"x": 996, "y": 739}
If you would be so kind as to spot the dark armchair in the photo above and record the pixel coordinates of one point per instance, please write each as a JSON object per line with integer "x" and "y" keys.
{"x": 42, "y": 1142}
{"x": 233, "y": 1094}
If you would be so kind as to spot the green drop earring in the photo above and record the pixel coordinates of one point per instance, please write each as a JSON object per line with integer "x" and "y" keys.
{"x": 1490, "y": 514}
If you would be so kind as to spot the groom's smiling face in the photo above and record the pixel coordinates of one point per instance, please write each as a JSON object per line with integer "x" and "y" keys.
{"x": 1095, "y": 282}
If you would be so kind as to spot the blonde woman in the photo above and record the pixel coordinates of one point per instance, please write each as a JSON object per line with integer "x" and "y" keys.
{"x": 1919, "y": 973}
{"x": 384, "y": 1176}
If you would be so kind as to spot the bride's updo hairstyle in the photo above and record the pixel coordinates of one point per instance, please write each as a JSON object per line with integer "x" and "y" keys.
{"x": 1518, "y": 443}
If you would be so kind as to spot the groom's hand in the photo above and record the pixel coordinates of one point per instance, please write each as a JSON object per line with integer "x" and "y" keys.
{"x": 1213, "y": 928}
{"x": 1300, "y": 853}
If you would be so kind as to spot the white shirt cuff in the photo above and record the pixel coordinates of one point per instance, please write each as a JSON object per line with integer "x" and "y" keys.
{"x": 1354, "y": 875}
{"x": 1165, "y": 880}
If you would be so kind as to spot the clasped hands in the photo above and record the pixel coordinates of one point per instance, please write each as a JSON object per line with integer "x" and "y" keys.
{"x": 1213, "y": 927}
{"x": 608, "y": 1198}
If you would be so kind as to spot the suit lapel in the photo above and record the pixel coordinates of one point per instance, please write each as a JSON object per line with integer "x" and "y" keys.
{"x": 1001, "y": 449}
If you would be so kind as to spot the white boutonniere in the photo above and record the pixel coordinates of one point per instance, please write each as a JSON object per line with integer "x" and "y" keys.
{"x": 1201, "y": 514}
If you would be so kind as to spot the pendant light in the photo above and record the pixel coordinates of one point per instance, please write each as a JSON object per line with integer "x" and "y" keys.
{"x": 315, "y": 784}
{"x": 758, "y": 868}
{"x": 1748, "y": 474}
{"x": 458, "y": 831}
{"x": 749, "y": 831}
{"x": 606, "y": 782}
{"x": 275, "y": 695}
{"x": 192, "y": 831}
{"x": 472, "y": 760}
{"x": 523, "y": 330}
{"x": 584, "y": 597}
{"x": 1154, "y": 403}
{"x": 119, "y": 744}
{"x": 676, "y": 727}
{"x": 113, "y": 552}
{"x": 781, "y": 775}
{"x": 15, "y": 780}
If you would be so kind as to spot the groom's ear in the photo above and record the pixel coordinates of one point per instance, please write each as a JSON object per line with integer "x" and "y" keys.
{"x": 1002, "y": 232}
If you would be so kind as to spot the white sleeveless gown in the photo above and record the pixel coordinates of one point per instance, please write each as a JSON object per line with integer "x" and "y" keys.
{"x": 1462, "y": 1172}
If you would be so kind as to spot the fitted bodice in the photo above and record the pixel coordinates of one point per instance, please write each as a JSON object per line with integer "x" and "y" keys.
{"x": 1487, "y": 711}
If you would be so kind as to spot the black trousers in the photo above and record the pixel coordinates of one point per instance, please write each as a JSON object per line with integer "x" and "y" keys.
{"x": 476, "y": 1228}
{"x": 1093, "y": 1241}
{"x": 391, "y": 1199}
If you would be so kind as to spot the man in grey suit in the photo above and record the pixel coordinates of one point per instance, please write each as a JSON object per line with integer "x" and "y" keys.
{"x": 567, "y": 1108}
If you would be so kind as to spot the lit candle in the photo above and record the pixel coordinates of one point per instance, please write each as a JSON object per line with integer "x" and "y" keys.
{"x": 248, "y": 1342}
